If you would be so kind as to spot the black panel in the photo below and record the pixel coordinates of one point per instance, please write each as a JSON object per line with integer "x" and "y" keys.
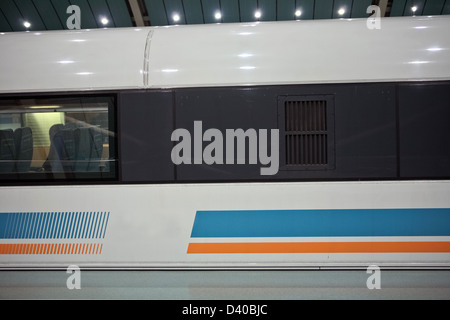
{"x": 145, "y": 126}
{"x": 364, "y": 132}
{"x": 424, "y": 113}
{"x": 222, "y": 109}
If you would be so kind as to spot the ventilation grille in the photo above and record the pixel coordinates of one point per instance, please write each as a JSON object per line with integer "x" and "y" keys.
{"x": 306, "y": 132}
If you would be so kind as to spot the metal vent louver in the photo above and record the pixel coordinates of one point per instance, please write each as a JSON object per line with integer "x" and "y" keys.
{"x": 306, "y": 132}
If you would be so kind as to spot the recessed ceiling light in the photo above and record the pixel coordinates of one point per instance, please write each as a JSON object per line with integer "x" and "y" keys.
{"x": 341, "y": 11}
{"x": 298, "y": 13}
{"x": 176, "y": 17}
{"x": 414, "y": 9}
{"x": 27, "y": 24}
{"x": 257, "y": 14}
{"x": 104, "y": 21}
{"x": 218, "y": 15}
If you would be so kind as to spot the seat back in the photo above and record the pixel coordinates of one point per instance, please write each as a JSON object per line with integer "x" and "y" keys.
{"x": 7, "y": 151}
{"x": 24, "y": 148}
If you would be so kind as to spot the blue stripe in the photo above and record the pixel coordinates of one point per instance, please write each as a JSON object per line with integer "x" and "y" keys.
{"x": 106, "y": 224}
{"x": 322, "y": 223}
{"x": 52, "y": 225}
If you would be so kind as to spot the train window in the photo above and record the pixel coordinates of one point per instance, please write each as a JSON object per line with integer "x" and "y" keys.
{"x": 306, "y": 132}
{"x": 57, "y": 138}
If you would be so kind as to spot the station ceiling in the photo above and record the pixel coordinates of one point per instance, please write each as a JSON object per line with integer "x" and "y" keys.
{"x": 39, "y": 15}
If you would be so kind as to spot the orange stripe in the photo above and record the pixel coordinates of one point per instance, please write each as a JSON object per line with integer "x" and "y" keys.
{"x": 319, "y": 247}
{"x": 50, "y": 248}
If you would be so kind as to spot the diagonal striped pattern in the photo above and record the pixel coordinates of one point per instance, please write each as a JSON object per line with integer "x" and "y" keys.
{"x": 53, "y": 225}
{"x": 51, "y": 248}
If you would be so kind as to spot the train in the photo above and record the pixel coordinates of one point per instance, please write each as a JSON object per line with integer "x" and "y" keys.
{"x": 310, "y": 144}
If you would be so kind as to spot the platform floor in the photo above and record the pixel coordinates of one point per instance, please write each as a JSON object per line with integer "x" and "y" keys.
{"x": 226, "y": 285}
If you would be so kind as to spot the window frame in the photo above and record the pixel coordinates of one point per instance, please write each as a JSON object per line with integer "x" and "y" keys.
{"x": 94, "y": 177}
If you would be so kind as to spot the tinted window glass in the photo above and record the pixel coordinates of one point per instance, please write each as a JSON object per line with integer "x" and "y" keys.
{"x": 57, "y": 138}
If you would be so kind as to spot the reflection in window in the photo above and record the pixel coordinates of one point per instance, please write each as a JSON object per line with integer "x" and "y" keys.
{"x": 57, "y": 138}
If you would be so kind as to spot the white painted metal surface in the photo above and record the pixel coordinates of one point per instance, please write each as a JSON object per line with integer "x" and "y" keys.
{"x": 296, "y": 52}
{"x": 72, "y": 60}
{"x": 150, "y": 225}
{"x": 330, "y": 51}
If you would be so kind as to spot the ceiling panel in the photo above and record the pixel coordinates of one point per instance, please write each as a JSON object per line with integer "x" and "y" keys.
{"x": 433, "y": 7}
{"x": 303, "y": 10}
{"x": 417, "y": 4}
{"x": 193, "y": 11}
{"x": 323, "y": 9}
{"x": 119, "y": 13}
{"x": 60, "y": 7}
{"x": 247, "y": 9}
{"x": 175, "y": 11}
{"x": 48, "y": 14}
{"x": 100, "y": 12}
{"x": 268, "y": 10}
{"x": 342, "y": 9}
{"x": 29, "y": 13}
{"x": 12, "y": 14}
{"x": 52, "y": 14}
{"x": 156, "y": 12}
{"x": 88, "y": 20}
{"x": 210, "y": 9}
{"x": 230, "y": 11}
{"x": 285, "y": 10}
{"x": 4, "y": 25}
{"x": 446, "y": 9}
{"x": 359, "y": 8}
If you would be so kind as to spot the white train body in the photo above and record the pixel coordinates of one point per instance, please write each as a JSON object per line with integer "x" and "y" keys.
{"x": 350, "y": 212}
